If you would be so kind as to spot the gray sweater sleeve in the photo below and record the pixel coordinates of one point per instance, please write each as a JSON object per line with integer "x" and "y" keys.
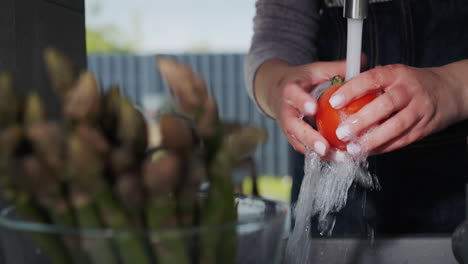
{"x": 283, "y": 29}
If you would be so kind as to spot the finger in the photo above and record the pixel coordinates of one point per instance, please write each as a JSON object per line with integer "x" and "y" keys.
{"x": 319, "y": 89}
{"x": 365, "y": 83}
{"x": 325, "y": 70}
{"x": 394, "y": 144}
{"x": 391, "y": 129}
{"x": 364, "y": 61}
{"x": 336, "y": 155}
{"x": 296, "y": 96}
{"x": 296, "y": 144}
{"x": 295, "y": 128}
{"x": 373, "y": 113}
{"x": 403, "y": 140}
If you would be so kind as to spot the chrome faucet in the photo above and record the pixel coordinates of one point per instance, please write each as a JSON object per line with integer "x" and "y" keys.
{"x": 355, "y": 9}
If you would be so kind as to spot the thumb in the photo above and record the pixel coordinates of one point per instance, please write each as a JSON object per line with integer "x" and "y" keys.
{"x": 364, "y": 61}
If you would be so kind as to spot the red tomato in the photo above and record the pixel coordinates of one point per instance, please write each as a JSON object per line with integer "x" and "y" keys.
{"x": 328, "y": 119}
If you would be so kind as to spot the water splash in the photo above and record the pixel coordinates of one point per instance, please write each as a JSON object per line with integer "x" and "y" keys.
{"x": 324, "y": 191}
{"x": 325, "y": 185}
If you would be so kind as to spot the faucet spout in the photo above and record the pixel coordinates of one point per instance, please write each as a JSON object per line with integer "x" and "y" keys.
{"x": 355, "y": 9}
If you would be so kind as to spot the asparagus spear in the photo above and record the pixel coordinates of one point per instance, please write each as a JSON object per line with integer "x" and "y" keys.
{"x": 10, "y": 139}
{"x": 10, "y": 105}
{"x": 177, "y": 136}
{"x": 132, "y": 131}
{"x": 11, "y": 132}
{"x": 47, "y": 137}
{"x": 34, "y": 110}
{"x": 110, "y": 113}
{"x": 129, "y": 190}
{"x": 219, "y": 209}
{"x": 176, "y": 133}
{"x": 123, "y": 123}
{"x": 230, "y": 127}
{"x": 93, "y": 137}
{"x": 90, "y": 164}
{"x": 15, "y": 192}
{"x": 43, "y": 168}
{"x": 161, "y": 176}
{"x": 46, "y": 189}
{"x": 188, "y": 189}
{"x": 62, "y": 72}
{"x": 83, "y": 107}
{"x": 234, "y": 147}
{"x": 122, "y": 160}
{"x": 188, "y": 88}
{"x": 161, "y": 173}
{"x": 126, "y": 159}
{"x": 83, "y": 101}
{"x": 192, "y": 94}
{"x": 125, "y": 169}
{"x": 48, "y": 141}
{"x": 126, "y": 128}
{"x": 244, "y": 141}
{"x": 100, "y": 250}
{"x": 50, "y": 244}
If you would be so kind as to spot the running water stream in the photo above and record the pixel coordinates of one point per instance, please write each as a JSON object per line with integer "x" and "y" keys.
{"x": 353, "y": 48}
{"x": 325, "y": 185}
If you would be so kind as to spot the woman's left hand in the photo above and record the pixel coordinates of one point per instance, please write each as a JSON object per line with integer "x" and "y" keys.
{"x": 413, "y": 103}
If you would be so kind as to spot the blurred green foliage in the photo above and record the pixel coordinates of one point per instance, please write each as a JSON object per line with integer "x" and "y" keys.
{"x": 98, "y": 41}
{"x": 270, "y": 186}
{"x": 105, "y": 36}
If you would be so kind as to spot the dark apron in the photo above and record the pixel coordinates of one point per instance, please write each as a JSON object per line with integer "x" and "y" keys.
{"x": 422, "y": 184}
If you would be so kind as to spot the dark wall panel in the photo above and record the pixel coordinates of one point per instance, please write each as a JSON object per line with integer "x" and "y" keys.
{"x": 77, "y": 5}
{"x": 7, "y": 34}
{"x": 63, "y": 28}
{"x": 27, "y": 27}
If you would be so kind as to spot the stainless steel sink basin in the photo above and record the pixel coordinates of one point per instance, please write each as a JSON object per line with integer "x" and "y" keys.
{"x": 406, "y": 250}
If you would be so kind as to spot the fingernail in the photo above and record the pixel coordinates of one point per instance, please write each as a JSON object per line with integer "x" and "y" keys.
{"x": 337, "y": 100}
{"x": 319, "y": 147}
{"x": 343, "y": 132}
{"x": 354, "y": 149}
{"x": 338, "y": 156}
{"x": 310, "y": 108}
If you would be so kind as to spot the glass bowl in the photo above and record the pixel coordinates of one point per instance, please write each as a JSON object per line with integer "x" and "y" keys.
{"x": 259, "y": 234}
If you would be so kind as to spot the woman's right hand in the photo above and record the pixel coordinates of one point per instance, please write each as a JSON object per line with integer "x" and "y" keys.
{"x": 283, "y": 93}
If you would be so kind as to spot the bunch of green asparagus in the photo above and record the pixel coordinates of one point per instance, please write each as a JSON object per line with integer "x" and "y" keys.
{"x": 92, "y": 169}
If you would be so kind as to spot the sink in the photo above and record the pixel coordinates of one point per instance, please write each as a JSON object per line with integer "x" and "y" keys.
{"x": 404, "y": 250}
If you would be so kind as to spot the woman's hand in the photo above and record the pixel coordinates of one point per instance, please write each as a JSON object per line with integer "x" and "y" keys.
{"x": 414, "y": 103}
{"x": 283, "y": 92}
